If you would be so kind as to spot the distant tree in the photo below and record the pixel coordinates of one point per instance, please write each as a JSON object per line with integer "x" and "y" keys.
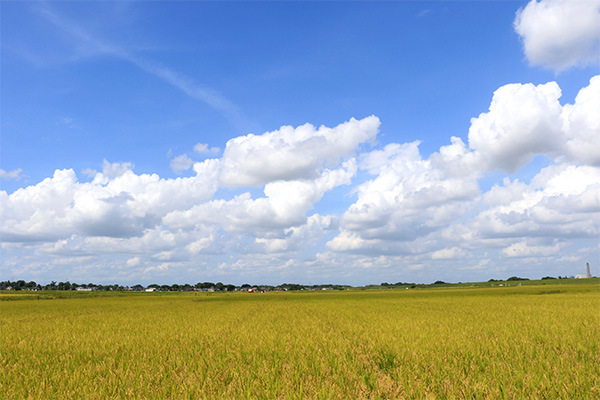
{"x": 516, "y": 278}
{"x": 439, "y": 283}
{"x": 205, "y": 285}
{"x": 292, "y": 286}
{"x": 548, "y": 277}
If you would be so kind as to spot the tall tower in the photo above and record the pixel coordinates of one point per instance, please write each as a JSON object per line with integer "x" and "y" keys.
{"x": 587, "y": 266}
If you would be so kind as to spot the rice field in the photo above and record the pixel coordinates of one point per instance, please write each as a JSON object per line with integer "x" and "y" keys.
{"x": 511, "y": 342}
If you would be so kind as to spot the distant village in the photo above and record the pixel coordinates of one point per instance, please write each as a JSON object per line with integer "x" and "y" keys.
{"x": 199, "y": 287}
{"x": 221, "y": 287}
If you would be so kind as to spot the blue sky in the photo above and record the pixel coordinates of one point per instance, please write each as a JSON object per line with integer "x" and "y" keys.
{"x": 145, "y": 111}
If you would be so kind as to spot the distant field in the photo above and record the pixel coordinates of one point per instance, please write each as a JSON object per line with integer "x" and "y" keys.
{"x": 504, "y": 342}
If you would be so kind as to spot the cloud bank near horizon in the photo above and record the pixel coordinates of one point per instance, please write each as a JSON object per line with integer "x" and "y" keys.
{"x": 408, "y": 210}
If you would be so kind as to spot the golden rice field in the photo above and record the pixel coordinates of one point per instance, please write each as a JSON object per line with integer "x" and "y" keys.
{"x": 525, "y": 342}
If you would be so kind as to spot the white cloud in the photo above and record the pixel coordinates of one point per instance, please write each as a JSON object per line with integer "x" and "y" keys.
{"x": 133, "y": 262}
{"x": 409, "y": 212}
{"x": 296, "y": 237}
{"x": 89, "y": 172}
{"x": 289, "y": 153}
{"x": 526, "y": 120}
{"x": 561, "y": 201}
{"x": 181, "y": 163}
{"x": 200, "y": 244}
{"x": 114, "y": 206}
{"x": 285, "y": 204}
{"x": 14, "y": 174}
{"x": 523, "y": 121}
{"x": 415, "y": 206}
{"x": 173, "y": 221}
{"x": 204, "y": 148}
{"x": 409, "y": 198}
{"x": 110, "y": 170}
{"x": 448, "y": 253}
{"x": 114, "y": 170}
{"x": 559, "y": 34}
{"x": 525, "y": 249}
{"x": 581, "y": 124}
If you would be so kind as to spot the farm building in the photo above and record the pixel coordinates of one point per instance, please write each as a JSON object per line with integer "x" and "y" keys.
{"x": 586, "y": 275}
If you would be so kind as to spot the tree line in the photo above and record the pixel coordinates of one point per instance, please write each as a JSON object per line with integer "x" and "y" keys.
{"x": 200, "y": 286}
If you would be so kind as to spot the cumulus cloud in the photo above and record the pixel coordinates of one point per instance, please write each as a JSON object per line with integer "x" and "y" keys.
{"x": 204, "y": 148}
{"x": 114, "y": 170}
{"x": 285, "y": 204}
{"x": 120, "y": 204}
{"x": 292, "y": 153}
{"x": 14, "y": 174}
{"x": 133, "y": 262}
{"x": 410, "y": 197}
{"x": 581, "y": 125}
{"x": 523, "y": 120}
{"x": 408, "y": 209}
{"x": 559, "y": 34}
{"x": 561, "y": 201}
{"x": 525, "y": 249}
{"x": 297, "y": 237}
{"x": 171, "y": 221}
{"x": 416, "y": 206}
{"x": 526, "y": 120}
{"x": 181, "y": 163}
{"x": 448, "y": 253}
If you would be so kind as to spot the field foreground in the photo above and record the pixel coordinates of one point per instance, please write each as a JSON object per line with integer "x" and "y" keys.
{"x": 516, "y": 342}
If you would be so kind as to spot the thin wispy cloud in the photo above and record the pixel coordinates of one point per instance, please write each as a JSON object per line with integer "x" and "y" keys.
{"x": 184, "y": 83}
{"x": 15, "y": 174}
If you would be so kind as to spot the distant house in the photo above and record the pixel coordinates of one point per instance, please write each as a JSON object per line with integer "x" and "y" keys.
{"x": 83, "y": 289}
{"x": 150, "y": 289}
